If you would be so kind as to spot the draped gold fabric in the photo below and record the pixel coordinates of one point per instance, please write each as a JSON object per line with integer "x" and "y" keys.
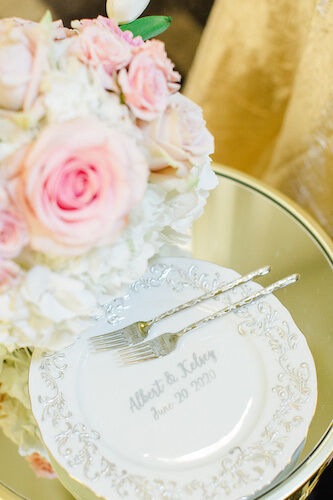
{"x": 263, "y": 74}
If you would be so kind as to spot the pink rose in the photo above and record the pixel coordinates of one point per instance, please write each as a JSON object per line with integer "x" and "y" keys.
{"x": 13, "y": 230}
{"x": 60, "y": 32}
{"x": 78, "y": 183}
{"x": 41, "y": 466}
{"x": 149, "y": 80}
{"x": 10, "y": 273}
{"x": 128, "y": 36}
{"x": 178, "y": 138}
{"x": 4, "y": 199}
{"x": 23, "y": 54}
{"x": 13, "y": 234}
{"x": 109, "y": 25}
{"x": 101, "y": 45}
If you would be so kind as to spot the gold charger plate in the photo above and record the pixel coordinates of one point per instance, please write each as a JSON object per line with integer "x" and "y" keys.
{"x": 247, "y": 225}
{"x": 247, "y": 222}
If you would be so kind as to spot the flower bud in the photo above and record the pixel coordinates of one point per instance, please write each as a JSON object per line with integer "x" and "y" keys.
{"x": 125, "y": 11}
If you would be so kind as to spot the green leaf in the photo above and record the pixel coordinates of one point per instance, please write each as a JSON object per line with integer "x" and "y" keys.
{"x": 147, "y": 27}
{"x": 46, "y": 19}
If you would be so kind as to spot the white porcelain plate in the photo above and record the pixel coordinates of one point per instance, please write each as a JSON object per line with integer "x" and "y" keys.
{"x": 220, "y": 417}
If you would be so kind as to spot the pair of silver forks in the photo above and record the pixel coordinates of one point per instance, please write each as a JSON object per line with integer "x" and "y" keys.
{"x": 129, "y": 340}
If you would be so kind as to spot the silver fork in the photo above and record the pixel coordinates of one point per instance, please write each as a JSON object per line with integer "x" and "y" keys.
{"x": 138, "y": 331}
{"x": 167, "y": 342}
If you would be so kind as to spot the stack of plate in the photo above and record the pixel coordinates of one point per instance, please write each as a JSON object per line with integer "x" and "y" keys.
{"x": 221, "y": 417}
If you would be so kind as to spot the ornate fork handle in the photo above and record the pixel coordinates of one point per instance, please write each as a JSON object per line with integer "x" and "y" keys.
{"x": 213, "y": 293}
{"x": 247, "y": 300}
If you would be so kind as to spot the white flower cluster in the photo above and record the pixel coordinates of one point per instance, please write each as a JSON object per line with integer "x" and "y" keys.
{"x": 102, "y": 163}
{"x": 98, "y": 172}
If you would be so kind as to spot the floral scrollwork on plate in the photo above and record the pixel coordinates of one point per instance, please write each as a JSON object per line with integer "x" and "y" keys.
{"x": 160, "y": 274}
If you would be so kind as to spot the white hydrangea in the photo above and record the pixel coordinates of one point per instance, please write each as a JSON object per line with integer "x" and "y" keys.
{"x": 46, "y": 309}
{"x": 50, "y": 300}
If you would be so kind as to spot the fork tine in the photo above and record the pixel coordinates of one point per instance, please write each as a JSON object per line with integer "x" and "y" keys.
{"x": 104, "y": 347}
{"x": 140, "y": 360}
{"x": 142, "y": 350}
{"x": 109, "y": 345}
{"x": 135, "y": 348}
{"x": 101, "y": 349}
{"x": 95, "y": 338}
{"x": 138, "y": 356}
{"x": 108, "y": 342}
{"x": 136, "y": 352}
{"x": 107, "y": 336}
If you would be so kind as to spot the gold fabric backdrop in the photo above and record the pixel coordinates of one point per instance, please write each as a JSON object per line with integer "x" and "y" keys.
{"x": 263, "y": 74}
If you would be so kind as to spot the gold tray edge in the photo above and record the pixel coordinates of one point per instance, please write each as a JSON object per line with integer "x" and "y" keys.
{"x": 7, "y": 493}
{"x": 306, "y": 219}
{"x": 303, "y": 479}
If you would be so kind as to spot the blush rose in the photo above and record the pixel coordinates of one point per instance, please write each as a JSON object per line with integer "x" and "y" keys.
{"x": 101, "y": 45}
{"x": 60, "y": 32}
{"x": 148, "y": 81}
{"x": 77, "y": 185}
{"x": 23, "y": 55}
{"x": 107, "y": 24}
{"x": 10, "y": 274}
{"x": 178, "y": 138}
{"x": 13, "y": 234}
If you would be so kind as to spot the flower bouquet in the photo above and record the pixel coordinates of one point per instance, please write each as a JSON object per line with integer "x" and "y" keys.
{"x": 103, "y": 161}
